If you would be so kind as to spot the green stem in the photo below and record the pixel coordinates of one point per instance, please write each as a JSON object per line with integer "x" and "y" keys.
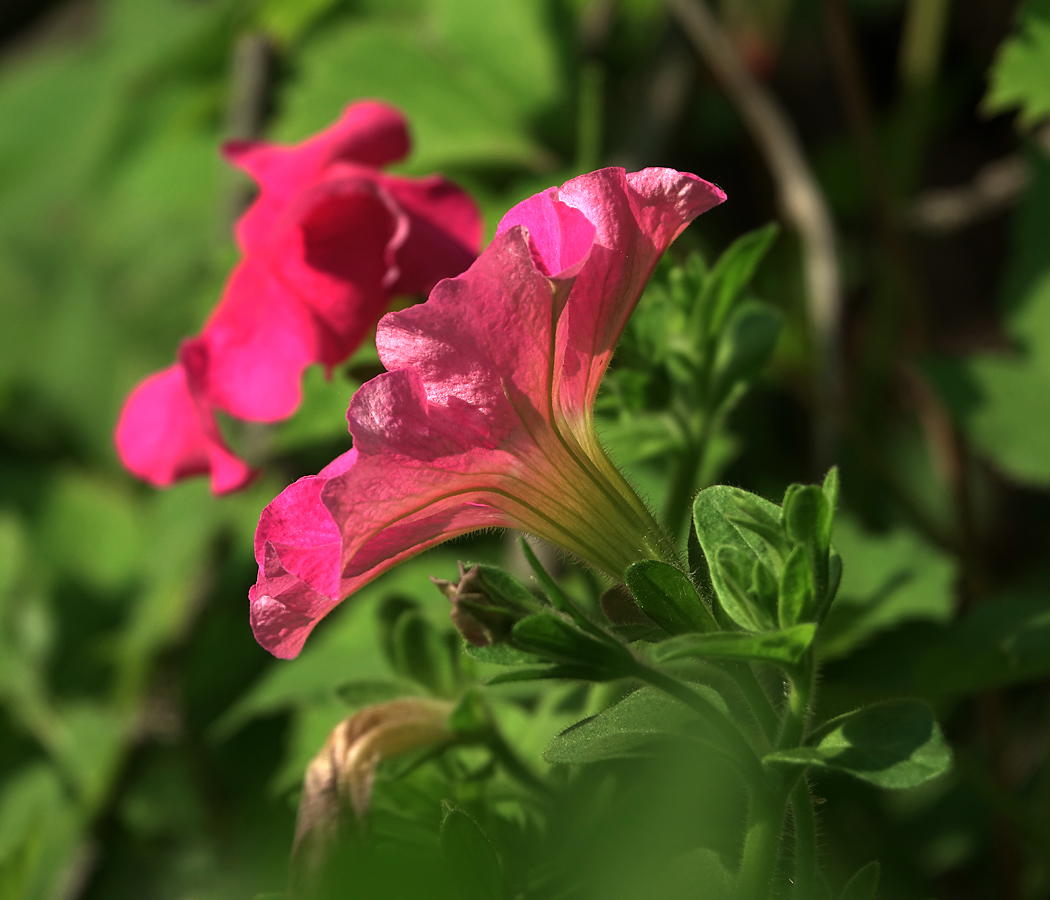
{"x": 794, "y": 724}
{"x": 765, "y": 825}
{"x": 684, "y": 484}
{"x": 805, "y": 841}
{"x": 741, "y": 753}
{"x": 589, "y": 124}
{"x": 756, "y": 698}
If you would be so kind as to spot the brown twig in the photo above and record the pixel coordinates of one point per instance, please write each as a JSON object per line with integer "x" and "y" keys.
{"x": 802, "y": 203}
{"x": 250, "y": 72}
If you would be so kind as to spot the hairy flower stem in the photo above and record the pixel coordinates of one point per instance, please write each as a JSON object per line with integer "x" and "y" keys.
{"x": 686, "y": 476}
{"x": 794, "y": 723}
{"x": 765, "y": 825}
{"x": 805, "y": 841}
{"x": 741, "y": 753}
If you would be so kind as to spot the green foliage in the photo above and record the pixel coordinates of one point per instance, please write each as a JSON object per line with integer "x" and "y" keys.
{"x": 469, "y": 855}
{"x": 630, "y": 728}
{"x": 895, "y": 745}
{"x": 1020, "y": 76}
{"x": 864, "y": 885}
{"x": 786, "y": 648}
{"x": 666, "y": 596}
{"x": 149, "y": 746}
{"x": 888, "y": 579}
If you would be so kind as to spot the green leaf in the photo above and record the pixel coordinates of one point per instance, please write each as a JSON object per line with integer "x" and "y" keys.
{"x": 714, "y": 511}
{"x": 375, "y": 690}
{"x": 785, "y": 648}
{"x": 470, "y": 715}
{"x": 887, "y": 579}
{"x": 864, "y": 885}
{"x": 567, "y": 672}
{"x": 797, "y": 599}
{"x": 764, "y": 589}
{"x": 422, "y": 654}
{"x": 807, "y": 518}
{"x": 93, "y": 531}
{"x": 734, "y": 570}
{"x": 501, "y": 655}
{"x": 667, "y": 596}
{"x": 831, "y": 490}
{"x": 894, "y": 745}
{"x": 481, "y": 32}
{"x": 469, "y": 855}
{"x": 640, "y": 720}
{"x": 556, "y": 639}
{"x": 744, "y": 348}
{"x": 1020, "y": 75}
{"x": 1003, "y": 641}
{"x": 733, "y": 272}
{"x": 458, "y": 118}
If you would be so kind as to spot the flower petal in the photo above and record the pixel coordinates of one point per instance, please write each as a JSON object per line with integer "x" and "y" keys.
{"x": 635, "y": 218}
{"x": 335, "y": 252}
{"x": 368, "y": 133}
{"x": 163, "y": 435}
{"x": 444, "y": 232}
{"x": 259, "y": 340}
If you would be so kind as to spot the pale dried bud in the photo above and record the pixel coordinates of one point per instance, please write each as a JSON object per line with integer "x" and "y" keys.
{"x": 340, "y": 776}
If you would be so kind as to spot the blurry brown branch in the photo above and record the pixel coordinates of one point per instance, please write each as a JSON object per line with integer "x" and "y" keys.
{"x": 250, "y": 71}
{"x": 802, "y": 203}
{"x": 994, "y": 189}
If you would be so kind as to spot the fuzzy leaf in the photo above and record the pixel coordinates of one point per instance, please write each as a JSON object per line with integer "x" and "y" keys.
{"x": 666, "y": 596}
{"x": 783, "y": 648}
{"x": 894, "y": 745}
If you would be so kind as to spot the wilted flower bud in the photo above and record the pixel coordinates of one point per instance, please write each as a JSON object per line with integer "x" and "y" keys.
{"x": 340, "y": 776}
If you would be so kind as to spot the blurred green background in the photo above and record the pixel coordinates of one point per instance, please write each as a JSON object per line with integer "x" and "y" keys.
{"x": 149, "y": 748}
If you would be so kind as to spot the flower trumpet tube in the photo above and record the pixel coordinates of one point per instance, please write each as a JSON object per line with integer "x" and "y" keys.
{"x": 329, "y": 240}
{"x": 485, "y": 415}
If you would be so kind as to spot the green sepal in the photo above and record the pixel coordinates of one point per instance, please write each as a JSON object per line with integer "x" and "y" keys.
{"x": 897, "y": 744}
{"x": 667, "y": 596}
{"x": 786, "y": 648}
{"x": 797, "y": 596}
{"x": 557, "y": 596}
{"x": 469, "y": 856}
{"x": 559, "y": 641}
{"x": 864, "y": 885}
{"x": 505, "y": 590}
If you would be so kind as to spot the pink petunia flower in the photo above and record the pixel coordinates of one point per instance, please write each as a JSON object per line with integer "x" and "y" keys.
{"x": 485, "y": 415}
{"x": 329, "y": 240}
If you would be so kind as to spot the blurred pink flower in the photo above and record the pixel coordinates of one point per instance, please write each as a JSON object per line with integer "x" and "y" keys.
{"x": 485, "y": 415}
{"x": 329, "y": 240}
